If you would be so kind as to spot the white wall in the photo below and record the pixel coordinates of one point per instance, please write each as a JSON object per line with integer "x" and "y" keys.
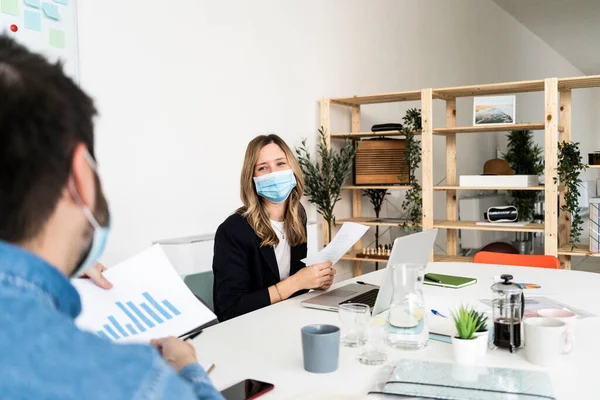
{"x": 181, "y": 90}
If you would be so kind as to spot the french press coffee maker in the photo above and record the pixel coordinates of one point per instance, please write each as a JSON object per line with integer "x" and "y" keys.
{"x": 508, "y": 306}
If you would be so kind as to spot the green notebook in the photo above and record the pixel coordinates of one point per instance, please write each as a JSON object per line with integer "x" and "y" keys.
{"x": 449, "y": 281}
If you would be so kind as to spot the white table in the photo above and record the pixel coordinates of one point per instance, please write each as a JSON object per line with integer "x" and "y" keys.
{"x": 266, "y": 344}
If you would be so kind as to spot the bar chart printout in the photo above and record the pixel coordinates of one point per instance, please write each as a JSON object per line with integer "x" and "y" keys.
{"x": 148, "y": 300}
{"x": 136, "y": 318}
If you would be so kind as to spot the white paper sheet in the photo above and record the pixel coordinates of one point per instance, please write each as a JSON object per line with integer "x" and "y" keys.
{"x": 347, "y": 236}
{"x": 148, "y": 300}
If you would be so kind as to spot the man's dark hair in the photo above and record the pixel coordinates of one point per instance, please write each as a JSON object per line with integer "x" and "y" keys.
{"x": 44, "y": 115}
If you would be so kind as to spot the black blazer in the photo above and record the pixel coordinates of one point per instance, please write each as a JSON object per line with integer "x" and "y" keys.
{"x": 244, "y": 270}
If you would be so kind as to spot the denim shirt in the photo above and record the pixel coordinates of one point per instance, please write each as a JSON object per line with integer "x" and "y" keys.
{"x": 43, "y": 355}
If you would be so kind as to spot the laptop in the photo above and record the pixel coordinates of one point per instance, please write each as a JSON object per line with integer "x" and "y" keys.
{"x": 415, "y": 248}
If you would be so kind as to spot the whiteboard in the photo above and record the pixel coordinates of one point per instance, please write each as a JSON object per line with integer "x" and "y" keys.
{"x": 48, "y": 27}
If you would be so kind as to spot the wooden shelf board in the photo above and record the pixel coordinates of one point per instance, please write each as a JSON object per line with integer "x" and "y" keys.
{"x": 397, "y": 187}
{"x": 486, "y": 188}
{"x": 489, "y": 128}
{"x": 351, "y": 256}
{"x": 414, "y": 95}
{"x": 593, "y": 166}
{"x": 358, "y": 135}
{"x": 579, "y": 250}
{"x": 579, "y": 82}
{"x": 490, "y": 89}
{"x": 365, "y": 221}
{"x": 447, "y": 258}
{"x": 472, "y": 225}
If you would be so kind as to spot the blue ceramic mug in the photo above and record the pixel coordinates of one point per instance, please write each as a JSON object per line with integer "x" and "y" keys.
{"x": 321, "y": 348}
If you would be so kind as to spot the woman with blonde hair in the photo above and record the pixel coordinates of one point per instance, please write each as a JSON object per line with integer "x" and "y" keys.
{"x": 258, "y": 249}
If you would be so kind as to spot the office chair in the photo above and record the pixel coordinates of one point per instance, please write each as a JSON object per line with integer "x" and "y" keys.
{"x": 521, "y": 260}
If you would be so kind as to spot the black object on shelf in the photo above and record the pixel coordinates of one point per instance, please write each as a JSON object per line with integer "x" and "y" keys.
{"x": 391, "y": 126}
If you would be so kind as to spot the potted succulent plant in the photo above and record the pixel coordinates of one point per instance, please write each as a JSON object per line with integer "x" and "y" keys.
{"x": 481, "y": 334}
{"x": 465, "y": 346}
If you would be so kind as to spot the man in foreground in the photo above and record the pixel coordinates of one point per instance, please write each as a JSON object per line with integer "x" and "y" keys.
{"x": 54, "y": 221}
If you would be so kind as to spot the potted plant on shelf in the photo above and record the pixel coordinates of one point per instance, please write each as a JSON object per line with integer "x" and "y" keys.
{"x": 323, "y": 179}
{"x": 570, "y": 165}
{"x": 481, "y": 334}
{"x": 465, "y": 347}
{"x": 413, "y": 201}
{"x": 525, "y": 158}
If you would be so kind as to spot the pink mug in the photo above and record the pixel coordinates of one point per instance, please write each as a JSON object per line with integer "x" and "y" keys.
{"x": 567, "y": 317}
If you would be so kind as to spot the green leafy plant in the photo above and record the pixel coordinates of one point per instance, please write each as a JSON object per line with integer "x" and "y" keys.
{"x": 323, "y": 179}
{"x": 481, "y": 321}
{"x": 413, "y": 200}
{"x": 466, "y": 322}
{"x": 525, "y": 158}
{"x": 570, "y": 165}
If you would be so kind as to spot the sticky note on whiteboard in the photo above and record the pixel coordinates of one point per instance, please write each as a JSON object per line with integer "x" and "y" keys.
{"x": 33, "y": 20}
{"x": 10, "y": 7}
{"x": 32, "y": 3}
{"x": 57, "y": 38}
{"x": 63, "y": 2}
{"x": 51, "y": 11}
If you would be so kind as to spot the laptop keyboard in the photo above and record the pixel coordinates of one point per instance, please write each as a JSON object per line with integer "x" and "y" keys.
{"x": 367, "y": 298}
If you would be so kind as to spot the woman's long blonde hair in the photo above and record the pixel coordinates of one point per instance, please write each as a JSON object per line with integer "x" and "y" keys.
{"x": 254, "y": 209}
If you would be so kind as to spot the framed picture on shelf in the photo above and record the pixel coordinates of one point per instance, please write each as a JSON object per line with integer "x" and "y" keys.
{"x": 494, "y": 110}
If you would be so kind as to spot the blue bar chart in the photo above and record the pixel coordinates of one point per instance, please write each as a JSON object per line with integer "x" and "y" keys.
{"x": 137, "y": 318}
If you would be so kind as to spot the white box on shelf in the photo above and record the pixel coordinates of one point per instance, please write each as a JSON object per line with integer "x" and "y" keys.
{"x": 499, "y": 181}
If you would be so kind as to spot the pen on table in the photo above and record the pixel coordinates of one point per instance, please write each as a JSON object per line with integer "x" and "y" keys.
{"x": 192, "y": 336}
{"x": 435, "y": 312}
{"x": 432, "y": 279}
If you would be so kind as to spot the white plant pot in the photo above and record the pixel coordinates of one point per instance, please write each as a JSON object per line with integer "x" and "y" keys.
{"x": 465, "y": 352}
{"x": 482, "y": 339}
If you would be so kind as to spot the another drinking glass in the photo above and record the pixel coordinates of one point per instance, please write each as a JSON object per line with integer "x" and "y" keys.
{"x": 354, "y": 319}
{"x": 373, "y": 353}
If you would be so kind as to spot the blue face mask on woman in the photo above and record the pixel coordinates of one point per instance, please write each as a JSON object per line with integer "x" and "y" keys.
{"x": 100, "y": 232}
{"x": 276, "y": 186}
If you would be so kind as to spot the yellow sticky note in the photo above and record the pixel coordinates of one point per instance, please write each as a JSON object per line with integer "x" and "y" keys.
{"x": 10, "y": 7}
{"x": 57, "y": 38}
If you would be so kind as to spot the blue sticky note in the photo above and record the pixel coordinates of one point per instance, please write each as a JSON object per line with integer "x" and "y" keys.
{"x": 63, "y": 2}
{"x": 51, "y": 11}
{"x": 32, "y": 3}
{"x": 33, "y": 20}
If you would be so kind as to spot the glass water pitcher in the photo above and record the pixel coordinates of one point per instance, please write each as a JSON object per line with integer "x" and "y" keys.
{"x": 406, "y": 321}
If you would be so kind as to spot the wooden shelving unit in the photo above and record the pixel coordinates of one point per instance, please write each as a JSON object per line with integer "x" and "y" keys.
{"x": 394, "y": 187}
{"x": 580, "y": 250}
{"x": 437, "y": 258}
{"x": 472, "y": 225}
{"x": 491, "y": 128}
{"x": 441, "y": 188}
{"x": 556, "y": 126}
{"x": 360, "y": 135}
{"x": 370, "y": 221}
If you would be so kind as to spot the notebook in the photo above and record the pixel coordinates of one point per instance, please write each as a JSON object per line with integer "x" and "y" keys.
{"x": 437, "y": 380}
{"x": 449, "y": 281}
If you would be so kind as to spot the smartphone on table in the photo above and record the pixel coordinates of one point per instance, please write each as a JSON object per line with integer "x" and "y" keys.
{"x": 248, "y": 389}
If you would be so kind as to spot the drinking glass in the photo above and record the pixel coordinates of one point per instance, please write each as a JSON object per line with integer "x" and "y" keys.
{"x": 373, "y": 353}
{"x": 354, "y": 319}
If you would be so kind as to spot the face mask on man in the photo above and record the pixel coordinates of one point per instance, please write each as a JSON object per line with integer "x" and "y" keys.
{"x": 276, "y": 186}
{"x": 100, "y": 232}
